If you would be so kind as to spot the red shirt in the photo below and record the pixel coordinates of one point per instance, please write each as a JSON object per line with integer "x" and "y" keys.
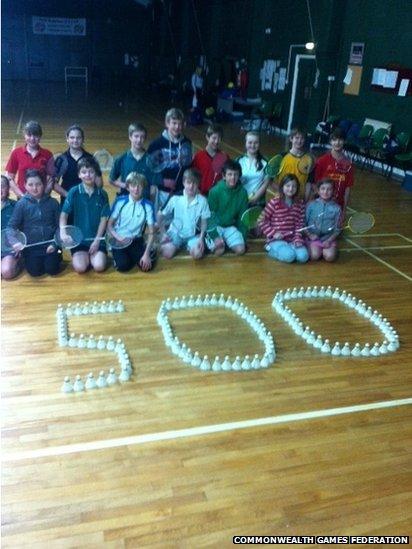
{"x": 21, "y": 160}
{"x": 326, "y": 167}
{"x": 202, "y": 161}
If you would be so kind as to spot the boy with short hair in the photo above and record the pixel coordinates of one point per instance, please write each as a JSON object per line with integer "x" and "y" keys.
{"x": 37, "y": 216}
{"x": 30, "y": 156}
{"x": 227, "y": 201}
{"x": 298, "y": 156}
{"x": 173, "y": 150}
{"x": 203, "y": 160}
{"x": 9, "y": 260}
{"x": 71, "y": 158}
{"x": 130, "y": 215}
{"x": 335, "y": 166}
{"x": 89, "y": 206}
{"x": 190, "y": 214}
{"x": 133, "y": 160}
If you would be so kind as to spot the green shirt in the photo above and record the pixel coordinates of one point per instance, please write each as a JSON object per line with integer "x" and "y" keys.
{"x": 229, "y": 204}
{"x": 87, "y": 210}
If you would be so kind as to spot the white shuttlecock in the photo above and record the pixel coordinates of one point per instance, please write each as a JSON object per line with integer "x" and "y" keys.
{"x": 124, "y": 375}
{"x": 214, "y": 301}
{"x": 69, "y": 310}
{"x": 237, "y": 365}
{"x": 236, "y": 305}
{"x": 306, "y": 333}
{"x": 314, "y": 292}
{"x": 226, "y": 364}
{"x": 229, "y": 302}
{"x": 246, "y": 364}
{"x": 95, "y": 308}
{"x": 205, "y": 364}
{"x": 393, "y": 345}
{"x": 119, "y": 345}
{"x": 101, "y": 343}
{"x": 343, "y": 296}
{"x": 199, "y": 301}
{"x": 112, "y": 377}
{"x": 368, "y": 313}
{"x": 78, "y": 385}
{"x": 356, "y": 351}
{"x": 85, "y": 308}
{"x": 168, "y": 304}
{"x": 222, "y": 300}
{"x": 308, "y": 292}
{"x": 345, "y": 350}
{"x": 81, "y": 342}
{"x": 325, "y": 347}
{"x": 91, "y": 342}
{"x": 318, "y": 343}
{"x": 336, "y": 351}
{"x": 217, "y": 365}
{"x": 312, "y": 338}
{"x": 206, "y": 301}
{"x": 321, "y": 292}
{"x": 187, "y": 359}
{"x": 183, "y": 302}
{"x": 196, "y": 361}
{"x": 67, "y": 386}
{"x": 375, "y": 350}
{"x": 111, "y": 307}
{"x": 90, "y": 382}
{"x": 191, "y": 302}
{"x": 294, "y": 293}
{"x": 366, "y": 350}
{"x": 383, "y": 349}
{"x": 336, "y": 293}
{"x": 329, "y": 292}
{"x": 77, "y": 310}
{"x": 287, "y": 294}
{"x": 110, "y": 345}
{"x": 301, "y": 292}
{"x": 120, "y": 306}
{"x": 63, "y": 341}
{"x": 103, "y": 307}
{"x": 101, "y": 380}
{"x": 264, "y": 363}
{"x": 255, "y": 362}
{"x": 73, "y": 340}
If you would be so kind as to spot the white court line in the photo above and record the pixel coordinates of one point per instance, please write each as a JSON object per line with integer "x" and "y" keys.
{"x": 14, "y": 145}
{"x": 404, "y": 237}
{"x": 20, "y": 121}
{"x": 378, "y": 259}
{"x": 371, "y": 235}
{"x": 53, "y": 451}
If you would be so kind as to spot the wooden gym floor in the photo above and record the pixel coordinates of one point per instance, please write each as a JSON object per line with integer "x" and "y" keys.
{"x": 314, "y": 445}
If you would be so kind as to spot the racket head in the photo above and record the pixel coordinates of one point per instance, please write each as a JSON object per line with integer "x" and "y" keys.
{"x": 305, "y": 164}
{"x": 251, "y": 216}
{"x": 212, "y": 222}
{"x": 157, "y": 161}
{"x": 61, "y": 164}
{"x": 104, "y": 160}
{"x": 185, "y": 155}
{"x": 68, "y": 237}
{"x": 273, "y": 166}
{"x": 116, "y": 244}
{"x": 361, "y": 222}
{"x": 343, "y": 165}
{"x": 12, "y": 241}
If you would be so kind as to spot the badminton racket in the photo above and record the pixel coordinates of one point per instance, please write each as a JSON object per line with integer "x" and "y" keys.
{"x": 250, "y": 217}
{"x": 13, "y": 240}
{"x": 157, "y": 161}
{"x": 358, "y": 223}
{"x": 112, "y": 241}
{"x": 218, "y": 162}
{"x": 305, "y": 164}
{"x": 272, "y": 168}
{"x": 57, "y": 166}
{"x": 104, "y": 160}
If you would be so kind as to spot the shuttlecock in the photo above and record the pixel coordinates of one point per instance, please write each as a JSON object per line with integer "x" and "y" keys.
{"x": 91, "y": 382}
{"x": 112, "y": 377}
{"x": 78, "y": 385}
{"x": 67, "y": 386}
{"x": 101, "y": 380}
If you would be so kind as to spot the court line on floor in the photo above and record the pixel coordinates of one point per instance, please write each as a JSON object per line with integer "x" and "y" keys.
{"x": 53, "y": 451}
{"x": 366, "y": 251}
{"x": 404, "y": 237}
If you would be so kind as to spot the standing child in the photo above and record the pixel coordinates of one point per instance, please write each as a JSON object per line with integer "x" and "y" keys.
{"x": 89, "y": 206}
{"x": 66, "y": 164}
{"x": 298, "y": 162}
{"x": 227, "y": 201}
{"x": 9, "y": 260}
{"x": 190, "y": 214}
{"x": 210, "y": 160}
{"x": 283, "y": 221}
{"x": 30, "y": 156}
{"x": 131, "y": 214}
{"x": 133, "y": 160}
{"x": 254, "y": 179}
{"x": 336, "y": 166}
{"x": 173, "y": 152}
{"x": 322, "y": 219}
{"x": 37, "y": 216}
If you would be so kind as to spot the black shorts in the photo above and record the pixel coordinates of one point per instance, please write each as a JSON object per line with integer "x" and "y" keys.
{"x": 85, "y": 248}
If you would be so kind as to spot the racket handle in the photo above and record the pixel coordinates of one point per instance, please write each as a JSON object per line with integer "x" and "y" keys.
{"x": 40, "y": 243}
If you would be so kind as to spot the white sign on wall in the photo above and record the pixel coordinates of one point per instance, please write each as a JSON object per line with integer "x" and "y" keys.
{"x": 63, "y": 26}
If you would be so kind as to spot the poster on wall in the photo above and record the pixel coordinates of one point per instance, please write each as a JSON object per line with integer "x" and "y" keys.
{"x": 356, "y": 53}
{"x": 63, "y": 26}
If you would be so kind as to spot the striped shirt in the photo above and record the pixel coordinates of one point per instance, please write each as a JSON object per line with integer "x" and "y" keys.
{"x": 287, "y": 220}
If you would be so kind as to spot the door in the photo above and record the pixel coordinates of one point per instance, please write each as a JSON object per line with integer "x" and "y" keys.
{"x": 304, "y": 76}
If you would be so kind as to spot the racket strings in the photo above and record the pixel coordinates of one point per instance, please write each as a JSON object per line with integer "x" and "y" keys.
{"x": 361, "y": 222}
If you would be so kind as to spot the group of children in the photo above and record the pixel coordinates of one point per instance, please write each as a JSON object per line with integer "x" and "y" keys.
{"x": 188, "y": 202}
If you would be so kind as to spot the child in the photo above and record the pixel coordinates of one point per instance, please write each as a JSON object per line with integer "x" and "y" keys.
{"x": 335, "y": 166}
{"x": 71, "y": 158}
{"x": 131, "y": 213}
{"x": 89, "y": 206}
{"x": 30, "y": 156}
{"x": 322, "y": 219}
{"x": 37, "y": 216}
{"x": 173, "y": 150}
{"x": 253, "y": 164}
{"x": 189, "y": 211}
{"x": 283, "y": 219}
{"x": 9, "y": 260}
{"x": 203, "y": 160}
{"x": 227, "y": 201}
{"x": 133, "y": 160}
{"x": 297, "y": 156}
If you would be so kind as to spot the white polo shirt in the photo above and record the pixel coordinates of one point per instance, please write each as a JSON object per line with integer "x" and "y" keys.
{"x": 187, "y": 214}
{"x": 132, "y": 216}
